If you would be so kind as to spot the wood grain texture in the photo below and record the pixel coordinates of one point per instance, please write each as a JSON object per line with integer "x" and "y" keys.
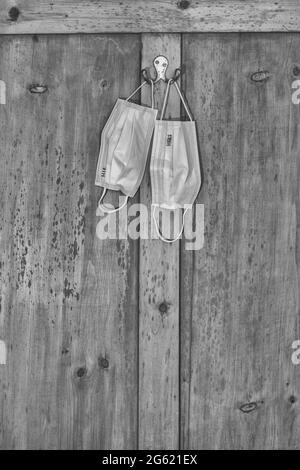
{"x": 68, "y": 300}
{"x": 82, "y": 16}
{"x": 240, "y": 293}
{"x": 159, "y": 296}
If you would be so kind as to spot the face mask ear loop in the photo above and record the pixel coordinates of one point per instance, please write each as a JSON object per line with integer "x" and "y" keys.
{"x": 160, "y": 236}
{"x": 135, "y": 91}
{"x": 183, "y": 101}
{"x": 152, "y": 94}
{"x": 105, "y": 209}
{"x": 165, "y": 100}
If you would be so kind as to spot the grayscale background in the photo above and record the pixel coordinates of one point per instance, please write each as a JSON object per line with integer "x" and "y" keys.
{"x": 126, "y": 344}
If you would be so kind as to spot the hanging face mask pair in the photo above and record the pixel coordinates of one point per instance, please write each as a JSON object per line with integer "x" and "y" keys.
{"x": 174, "y": 166}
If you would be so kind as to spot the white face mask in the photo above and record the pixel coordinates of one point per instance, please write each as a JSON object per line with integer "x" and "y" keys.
{"x": 174, "y": 167}
{"x": 125, "y": 142}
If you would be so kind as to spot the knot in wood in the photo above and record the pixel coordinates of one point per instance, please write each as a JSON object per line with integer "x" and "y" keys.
{"x": 296, "y": 70}
{"x": 81, "y": 372}
{"x": 248, "y": 407}
{"x": 183, "y": 4}
{"x": 104, "y": 83}
{"x": 261, "y": 76}
{"x": 103, "y": 362}
{"x": 163, "y": 307}
{"x": 14, "y": 13}
{"x": 292, "y": 399}
{"x": 39, "y": 89}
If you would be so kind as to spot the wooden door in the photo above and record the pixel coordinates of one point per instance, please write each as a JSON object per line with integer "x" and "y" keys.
{"x": 126, "y": 344}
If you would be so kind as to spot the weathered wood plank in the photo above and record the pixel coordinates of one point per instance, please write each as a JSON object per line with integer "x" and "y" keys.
{"x": 69, "y": 301}
{"x": 159, "y": 296}
{"x": 240, "y": 293}
{"x": 81, "y": 16}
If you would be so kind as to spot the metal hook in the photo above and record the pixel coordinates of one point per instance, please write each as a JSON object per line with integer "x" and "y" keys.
{"x": 160, "y": 63}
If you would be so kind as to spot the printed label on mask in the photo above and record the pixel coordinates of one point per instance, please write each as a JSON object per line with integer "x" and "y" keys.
{"x": 169, "y": 140}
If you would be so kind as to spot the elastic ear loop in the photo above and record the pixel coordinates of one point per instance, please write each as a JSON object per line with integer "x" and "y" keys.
{"x": 139, "y": 87}
{"x": 135, "y": 91}
{"x": 160, "y": 236}
{"x": 181, "y": 97}
{"x": 183, "y": 101}
{"x": 165, "y": 99}
{"x": 106, "y": 209}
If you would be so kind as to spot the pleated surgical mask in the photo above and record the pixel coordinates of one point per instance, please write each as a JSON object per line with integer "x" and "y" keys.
{"x": 125, "y": 142}
{"x": 174, "y": 166}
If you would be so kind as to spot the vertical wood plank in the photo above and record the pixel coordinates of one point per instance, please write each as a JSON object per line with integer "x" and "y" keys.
{"x": 68, "y": 300}
{"x": 159, "y": 295}
{"x": 240, "y": 293}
